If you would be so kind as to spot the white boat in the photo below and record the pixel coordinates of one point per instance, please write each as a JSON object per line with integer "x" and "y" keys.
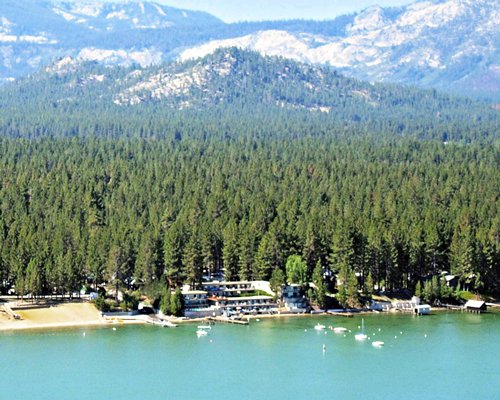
{"x": 204, "y": 327}
{"x": 377, "y": 343}
{"x": 319, "y": 327}
{"x": 162, "y": 323}
{"x": 361, "y": 335}
{"x": 339, "y": 329}
{"x": 201, "y": 332}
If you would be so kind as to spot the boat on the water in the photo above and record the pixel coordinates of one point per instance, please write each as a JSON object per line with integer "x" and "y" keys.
{"x": 163, "y": 323}
{"x": 377, "y": 343}
{"x": 319, "y": 327}
{"x": 201, "y": 332}
{"x": 204, "y": 327}
{"x": 339, "y": 329}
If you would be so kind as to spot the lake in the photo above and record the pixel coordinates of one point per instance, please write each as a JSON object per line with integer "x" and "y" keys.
{"x": 441, "y": 356}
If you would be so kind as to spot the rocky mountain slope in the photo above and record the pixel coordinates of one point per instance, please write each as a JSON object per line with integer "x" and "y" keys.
{"x": 447, "y": 44}
{"x": 34, "y": 33}
{"x": 451, "y": 44}
{"x": 239, "y": 85}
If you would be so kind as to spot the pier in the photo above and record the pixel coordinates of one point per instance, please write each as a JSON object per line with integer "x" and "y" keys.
{"x": 228, "y": 320}
{"x": 340, "y": 314}
{"x": 9, "y": 312}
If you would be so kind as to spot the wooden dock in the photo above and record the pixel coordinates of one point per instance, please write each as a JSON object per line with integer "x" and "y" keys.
{"x": 453, "y": 307}
{"x": 155, "y": 320}
{"x": 9, "y": 312}
{"x": 228, "y": 320}
{"x": 340, "y": 314}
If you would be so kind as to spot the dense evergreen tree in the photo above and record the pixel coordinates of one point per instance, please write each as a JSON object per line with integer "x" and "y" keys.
{"x": 93, "y": 193}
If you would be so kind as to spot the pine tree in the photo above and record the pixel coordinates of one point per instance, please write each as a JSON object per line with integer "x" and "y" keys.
{"x": 296, "y": 270}
{"x": 172, "y": 255}
{"x": 192, "y": 260}
{"x": 278, "y": 279}
{"x": 165, "y": 302}
{"x": 418, "y": 289}
{"x": 230, "y": 251}
{"x": 34, "y": 278}
{"x": 319, "y": 282}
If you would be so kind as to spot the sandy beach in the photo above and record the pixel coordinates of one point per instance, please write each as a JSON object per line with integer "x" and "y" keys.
{"x": 54, "y": 316}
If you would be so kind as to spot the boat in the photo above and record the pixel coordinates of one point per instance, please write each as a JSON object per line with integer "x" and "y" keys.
{"x": 201, "y": 332}
{"x": 377, "y": 343}
{"x": 204, "y": 327}
{"x": 361, "y": 335}
{"x": 319, "y": 327}
{"x": 162, "y": 322}
{"x": 339, "y": 329}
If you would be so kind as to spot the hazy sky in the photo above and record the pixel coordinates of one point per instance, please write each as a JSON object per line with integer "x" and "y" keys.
{"x": 246, "y": 10}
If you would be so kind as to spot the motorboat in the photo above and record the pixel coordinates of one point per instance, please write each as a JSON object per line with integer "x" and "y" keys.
{"x": 201, "y": 332}
{"x": 204, "y": 327}
{"x": 319, "y": 327}
{"x": 339, "y": 329}
{"x": 377, "y": 343}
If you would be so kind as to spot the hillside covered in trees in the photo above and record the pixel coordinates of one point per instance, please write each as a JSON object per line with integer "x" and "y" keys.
{"x": 394, "y": 184}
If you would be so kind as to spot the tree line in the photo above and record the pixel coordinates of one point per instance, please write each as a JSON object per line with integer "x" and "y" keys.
{"x": 133, "y": 212}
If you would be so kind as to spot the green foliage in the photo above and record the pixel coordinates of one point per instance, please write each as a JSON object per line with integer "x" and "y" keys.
{"x": 130, "y": 301}
{"x": 352, "y": 291}
{"x": 166, "y": 302}
{"x": 369, "y": 285}
{"x": 435, "y": 291}
{"x": 177, "y": 303}
{"x": 464, "y": 295}
{"x": 296, "y": 270}
{"x": 319, "y": 294}
{"x": 172, "y": 304}
{"x": 101, "y": 304}
{"x": 418, "y": 289}
{"x": 278, "y": 279}
{"x": 93, "y": 193}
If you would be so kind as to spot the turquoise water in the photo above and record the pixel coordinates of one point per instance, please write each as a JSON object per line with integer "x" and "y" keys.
{"x": 271, "y": 359}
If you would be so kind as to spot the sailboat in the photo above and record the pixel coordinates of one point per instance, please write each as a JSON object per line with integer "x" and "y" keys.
{"x": 201, "y": 332}
{"x": 361, "y": 335}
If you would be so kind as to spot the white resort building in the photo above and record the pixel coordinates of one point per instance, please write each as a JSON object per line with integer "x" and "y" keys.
{"x": 229, "y": 298}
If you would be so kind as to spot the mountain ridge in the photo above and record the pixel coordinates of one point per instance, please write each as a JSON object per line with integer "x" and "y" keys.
{"x": 451, "y": 45}
{"x": 242, "y": 84}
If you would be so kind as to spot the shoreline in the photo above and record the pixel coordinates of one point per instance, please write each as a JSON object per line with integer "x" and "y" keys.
{"x": 81, "y": 315}
{"x": 56, "y": 316}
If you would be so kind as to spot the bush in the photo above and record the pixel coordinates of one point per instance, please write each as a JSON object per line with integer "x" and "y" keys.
{"x": 130, "y": 302}
{"x": 101, "y": 304}
{"x": 466, "y": 296}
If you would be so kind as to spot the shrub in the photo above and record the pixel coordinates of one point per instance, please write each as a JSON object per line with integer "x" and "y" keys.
{"x": 101, "y": 304}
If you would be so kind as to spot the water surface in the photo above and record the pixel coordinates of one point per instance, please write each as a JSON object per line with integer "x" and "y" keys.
{"x": 441, "y": 356}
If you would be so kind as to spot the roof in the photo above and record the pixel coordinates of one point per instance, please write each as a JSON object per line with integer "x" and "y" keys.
{"x": 215, "y": 283}
{"x": 242, "y": 298}
{"x": 185, "y": 292}
{"x": 475, "y": 304}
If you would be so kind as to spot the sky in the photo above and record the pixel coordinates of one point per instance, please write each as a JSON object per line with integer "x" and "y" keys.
{"x": 251, "y": 10}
